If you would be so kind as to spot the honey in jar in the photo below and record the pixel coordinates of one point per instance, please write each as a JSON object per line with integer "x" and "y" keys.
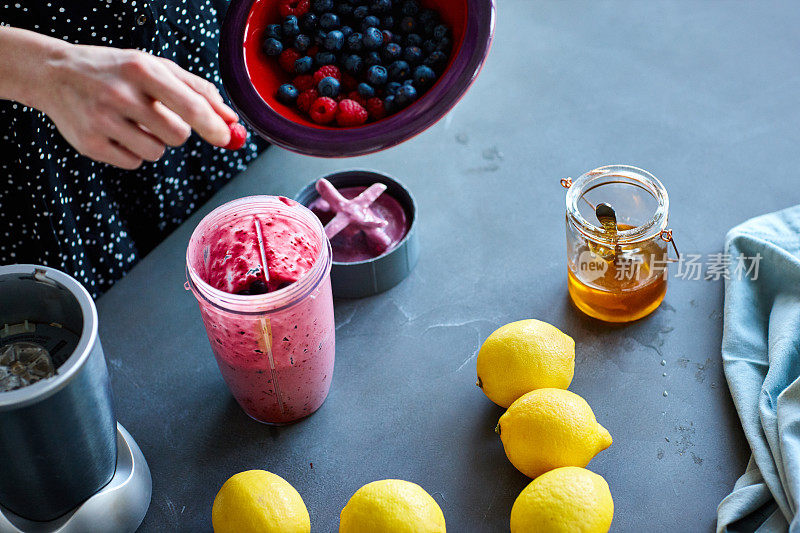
{"x": 617, "y": 269}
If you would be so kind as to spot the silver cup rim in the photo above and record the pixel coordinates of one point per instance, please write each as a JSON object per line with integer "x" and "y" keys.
{"x": 88, "y": 339}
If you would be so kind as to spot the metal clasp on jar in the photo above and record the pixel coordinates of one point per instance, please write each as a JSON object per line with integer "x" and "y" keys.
{"x": 666, "y": 236}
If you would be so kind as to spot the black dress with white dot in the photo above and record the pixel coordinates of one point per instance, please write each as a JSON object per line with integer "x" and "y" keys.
{"x": 89, "y": 219}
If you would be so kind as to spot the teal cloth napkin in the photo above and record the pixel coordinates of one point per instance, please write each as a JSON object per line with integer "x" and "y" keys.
{"x": 761, "y": 360}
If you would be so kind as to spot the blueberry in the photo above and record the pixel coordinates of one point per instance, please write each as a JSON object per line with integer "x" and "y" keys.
{"x": 440, "y": 32}
{"x": 347, "y": 31}
{"x": 392, "y": 37}
{"x": 309, "y": 22}
{"x": 429, "y": 46}
{"x": 257, "y": 287}
{"x": 406, "y": 94}
{"x": 321, "y": 6}
{"x": 437, "y": 60}
{"x": 370, "y": 21}
{"x": 329, "y": 86}
{"x": 355, "y": 42}
{"x": 360, "y": 12}
{"x": 428, "y": 16}
{"x": 344, "y": 9}
{"x": 302, "y": 42}
{"x": 272, "y": 47}
{"x": 413, "y": 39}
{"x": 408, "y": 24}
{"x": 319, "y": 37}
{"x": 399, "y": 70}
{"x": 389, "y": 104}
{"x": 354, "y": 64}
{"x": 412, "y": 55}
{"x": 410, "y": 8}
{"x": 334, "y": 41}
{"x": 377, "y": 75}
{"x": 427, "y": 29}
{"x": 424, "y": 76}
{"x": 325, "y": 58}
{"x": 366, "y": 90}
{"x": 392, "y": 52}
{"x": 444, "y": 45}
{"x": 392, "y": 87}
{"x": 304, "y": 65}
{"x": 273, "y": 31}
{"x": 287, "y": 93}
{"x": 372, "y": 58}
{"x": 329, "y": 21}
{"x": 373, "y": 38}
{"x": 381, "y": 6}
{"x": 290, "y": 26}
{"x": 387, "y": 22}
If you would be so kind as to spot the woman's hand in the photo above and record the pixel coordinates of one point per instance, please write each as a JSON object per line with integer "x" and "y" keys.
{"x": 117, "y": 106}
{"x": 124, "y": 107}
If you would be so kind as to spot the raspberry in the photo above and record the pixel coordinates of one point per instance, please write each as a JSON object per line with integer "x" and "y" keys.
{"x": 353, "y": 95}
{"x": 349, "y": 83}
{"x": 306, "y": 100}
{"x": 294, "y": 7}
{"x": 376, "y": 108}
{"x": 351, "y": 113}
{"x": 324, "y": 72}
{"x": 238, "y": 136}
{"x": 304, "y": 82}
{"x": 287, "y": 59}
{"x": 324, "y": 110}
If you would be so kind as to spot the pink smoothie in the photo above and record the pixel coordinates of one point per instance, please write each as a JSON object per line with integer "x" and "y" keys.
{"x": 235, "y": 254}
{"x": 277, "y": 360}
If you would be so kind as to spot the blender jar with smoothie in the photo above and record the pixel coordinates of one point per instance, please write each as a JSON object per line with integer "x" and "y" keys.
{"x": 260, "y": 270}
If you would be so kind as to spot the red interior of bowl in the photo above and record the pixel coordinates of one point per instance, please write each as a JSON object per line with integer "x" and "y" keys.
{"x": 266, "y": 75}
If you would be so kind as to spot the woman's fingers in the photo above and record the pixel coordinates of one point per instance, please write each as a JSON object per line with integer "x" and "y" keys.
{"x": 156, "y": 118}
{"x": 142, "y": 144}
{"x": 206, "y": 89}
{"x": 119, "y": 156}
{"x": 161, "y": 84}
{"x": 123, "y": 106}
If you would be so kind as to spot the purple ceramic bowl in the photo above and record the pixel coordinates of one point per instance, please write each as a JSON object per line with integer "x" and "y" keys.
{"x": 251, "y": 81}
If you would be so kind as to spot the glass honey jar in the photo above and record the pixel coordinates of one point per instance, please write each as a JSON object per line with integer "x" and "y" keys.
{"x": 617, "y": 242}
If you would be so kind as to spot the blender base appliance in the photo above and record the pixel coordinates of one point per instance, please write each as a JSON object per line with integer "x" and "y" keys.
{"x": 66, "y": 465}
{"x": 119, "y": 506}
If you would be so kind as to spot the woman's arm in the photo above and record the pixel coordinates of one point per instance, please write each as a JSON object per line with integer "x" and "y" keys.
{"x": 116, "y": 106}
{"x": 20, "y": 49}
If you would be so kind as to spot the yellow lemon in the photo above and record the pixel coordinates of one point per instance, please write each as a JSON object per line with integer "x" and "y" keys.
{"x": 550, "y": 428}
{"x": 391, "y": 506}
{"x": 257, "y": 501}
{"x": 564, "y": 500}
{"x": 522, "y": 356}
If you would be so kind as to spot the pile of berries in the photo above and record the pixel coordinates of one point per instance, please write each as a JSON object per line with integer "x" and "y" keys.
{"x": 356, "y": 60}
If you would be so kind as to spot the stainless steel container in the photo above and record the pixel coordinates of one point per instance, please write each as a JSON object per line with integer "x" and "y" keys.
{"x": 58, "y": 438}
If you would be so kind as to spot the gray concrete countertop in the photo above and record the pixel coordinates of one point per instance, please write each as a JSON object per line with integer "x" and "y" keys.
{"x": 704, "y": 95}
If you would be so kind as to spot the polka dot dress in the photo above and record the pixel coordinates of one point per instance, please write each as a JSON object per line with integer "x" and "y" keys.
{"x": 89, "y": 219}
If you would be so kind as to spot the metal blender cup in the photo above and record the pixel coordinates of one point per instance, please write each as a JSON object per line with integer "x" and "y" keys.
{"x": 58, "y": 434}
